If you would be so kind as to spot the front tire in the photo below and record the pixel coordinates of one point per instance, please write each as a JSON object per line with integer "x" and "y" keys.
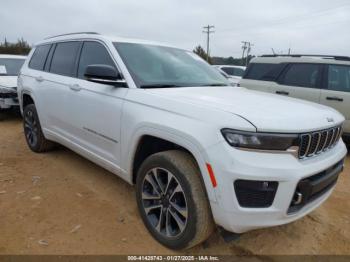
{"x": 33, "y": 132}
{"x": 172, "y": 201}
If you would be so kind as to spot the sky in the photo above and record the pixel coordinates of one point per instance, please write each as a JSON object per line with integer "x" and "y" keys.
{"x": 304, "y": 26}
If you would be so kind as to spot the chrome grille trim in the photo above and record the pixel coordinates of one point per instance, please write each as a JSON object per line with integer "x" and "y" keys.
{"x": 324, "y": 136}
{"x": 318, "y": 143}
{"x": 301, "y": 148}
{"x": 339, "y": 134}
{"x": 333, "y": 136}
{"x": 336, "y": 139}
{"x": 315, "y": 143}
{"x": 325, "y": 142}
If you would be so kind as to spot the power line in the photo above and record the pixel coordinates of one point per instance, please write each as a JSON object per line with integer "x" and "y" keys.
{"x": 208, "y": 31}
{"x": 286, "y": 20}
{"x": 262, "y": 34}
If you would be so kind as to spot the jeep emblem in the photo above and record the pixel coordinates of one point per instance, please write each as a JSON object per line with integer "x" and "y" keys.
{"x": 330, "y": 119}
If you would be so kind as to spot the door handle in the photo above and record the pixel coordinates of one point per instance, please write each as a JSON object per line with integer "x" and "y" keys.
{"x": 39, "y": 79}
{"x": 334, "y": 98}
{"x": 282, "y": 93}
{"x": 75, "y": 87}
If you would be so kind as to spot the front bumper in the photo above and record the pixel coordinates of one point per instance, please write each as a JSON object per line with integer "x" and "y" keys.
{"x": 231, "y": 164}
{"x": 8, "y": 98}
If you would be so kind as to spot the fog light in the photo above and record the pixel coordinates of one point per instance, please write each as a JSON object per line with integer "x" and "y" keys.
{"x": 255, "y": 194}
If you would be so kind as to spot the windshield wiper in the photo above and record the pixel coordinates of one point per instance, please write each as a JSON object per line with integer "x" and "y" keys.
{"x": 215, "y": 84}
{"x": 159, "y": 86}
{"x": 174, "y": 85}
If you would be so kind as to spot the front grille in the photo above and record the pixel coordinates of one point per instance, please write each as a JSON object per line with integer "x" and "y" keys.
{"x": 317, "y": 142}
{"x": 8, "y": 95}
{"x": 311, "y": 188}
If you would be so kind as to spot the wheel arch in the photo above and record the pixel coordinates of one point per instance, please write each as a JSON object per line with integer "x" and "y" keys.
{"x": 167, "y": 141}
{"x": 26, "y": 99}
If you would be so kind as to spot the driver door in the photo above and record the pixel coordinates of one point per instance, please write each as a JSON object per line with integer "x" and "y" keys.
{"x": 96, "y": 108}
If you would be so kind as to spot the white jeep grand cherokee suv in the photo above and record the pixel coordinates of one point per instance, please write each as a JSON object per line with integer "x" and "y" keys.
{"x": 199, "y": 151}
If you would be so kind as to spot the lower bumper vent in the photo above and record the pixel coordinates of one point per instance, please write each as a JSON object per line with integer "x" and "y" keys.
{"x": 314, "y": 187}
{"x": 255, "y": 194}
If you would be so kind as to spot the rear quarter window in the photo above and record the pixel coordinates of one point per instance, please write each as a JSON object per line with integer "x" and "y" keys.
{"x": 339, "y": 78}
{"x": 38, "y": 59}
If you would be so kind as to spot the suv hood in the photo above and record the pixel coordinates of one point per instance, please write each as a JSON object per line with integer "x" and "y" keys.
{"x": 8, "y": 82}
{"x": 267, "y": 112}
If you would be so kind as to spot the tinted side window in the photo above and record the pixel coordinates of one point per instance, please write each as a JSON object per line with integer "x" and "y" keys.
{"x": 303, "y": 75}
{"x": 93, "y": 53}
{"x": 63, "y": 60}
{"x": 39, "y": 57}
{"x": 262, "y": 71}
{"x": 339, "y": 78}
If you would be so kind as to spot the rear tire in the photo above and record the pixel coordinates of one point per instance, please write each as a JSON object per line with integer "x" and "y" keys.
{"x": 33, "y": 132}
{"x": 172, "y": 201}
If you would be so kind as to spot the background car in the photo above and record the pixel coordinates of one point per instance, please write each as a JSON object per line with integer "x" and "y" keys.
{"x": 10, "y": 65}
{"x": 321, "y": 79}
{"x": 232, "y": 73}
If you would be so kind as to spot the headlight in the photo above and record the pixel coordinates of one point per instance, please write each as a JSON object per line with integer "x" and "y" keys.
{"x": 260, "y": 141}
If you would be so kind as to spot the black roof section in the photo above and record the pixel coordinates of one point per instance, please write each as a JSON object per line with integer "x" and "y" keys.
{"x": 335, "y": 57}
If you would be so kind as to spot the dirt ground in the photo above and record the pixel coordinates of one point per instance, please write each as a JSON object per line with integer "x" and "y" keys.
{"x": 60, "y": 203}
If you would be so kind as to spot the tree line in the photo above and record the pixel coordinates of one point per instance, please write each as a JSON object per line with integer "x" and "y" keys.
{"x": 21, "y": 47}
{"x": 216, "y": 60}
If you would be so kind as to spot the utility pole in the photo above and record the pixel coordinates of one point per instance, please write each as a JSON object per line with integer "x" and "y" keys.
{"x": 208, "y": 31}
{"x": 246, "y": 46}
{"x": 248, "y": 52}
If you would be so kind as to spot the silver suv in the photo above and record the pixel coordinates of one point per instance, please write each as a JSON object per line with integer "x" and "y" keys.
{"x": 320, "y": 79}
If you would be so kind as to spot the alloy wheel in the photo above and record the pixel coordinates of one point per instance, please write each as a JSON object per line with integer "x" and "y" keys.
{"x": 31, "y": 128}
{"x": 164, "y": 202}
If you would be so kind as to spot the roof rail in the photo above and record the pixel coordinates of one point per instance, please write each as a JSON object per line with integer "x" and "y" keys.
{"x": 335, "y": 57}
{"x": 77, "y": 33}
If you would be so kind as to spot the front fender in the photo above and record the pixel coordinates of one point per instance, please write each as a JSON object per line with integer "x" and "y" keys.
{"x": 176, "y": 137}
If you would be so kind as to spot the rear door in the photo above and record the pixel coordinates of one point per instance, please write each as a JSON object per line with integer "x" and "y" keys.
{"x": 55, "y": 91}
{"x": 35, "y": 79}
{"x": 337, "y": 91}
{"x": 300, "y": 80}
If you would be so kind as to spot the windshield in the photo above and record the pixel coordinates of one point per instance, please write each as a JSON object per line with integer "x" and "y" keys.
{"x": 10, "y": 66}
{"x": 233, "y": 71}
{"x": 158, "y": 66}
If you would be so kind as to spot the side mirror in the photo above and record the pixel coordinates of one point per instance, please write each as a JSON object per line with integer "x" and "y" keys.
{"x": 104, "y": 74}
